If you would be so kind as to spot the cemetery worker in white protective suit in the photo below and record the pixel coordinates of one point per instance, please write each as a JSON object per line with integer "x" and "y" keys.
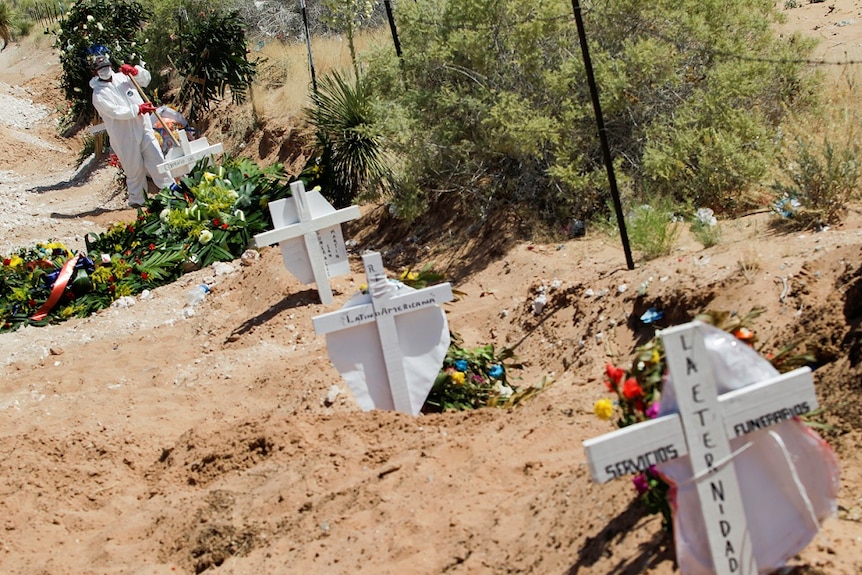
{"x": 127, "y": 120}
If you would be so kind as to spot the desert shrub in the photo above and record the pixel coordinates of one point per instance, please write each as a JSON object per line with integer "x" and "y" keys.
{"x": 494, "y": 98}
{"x": 349, "y": 159}
{"x": 115, "y": 25}
{"x": 17, "y": 19}
{"x": 211, "y": 59}
{"x": 168, "y": 35}
{"x": 652, "y": 227}
{"x": 819, "y": 178}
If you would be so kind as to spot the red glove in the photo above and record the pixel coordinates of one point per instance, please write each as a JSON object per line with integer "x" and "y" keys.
{"x": 129, "y": 70}
{"x": 146, "y": 108}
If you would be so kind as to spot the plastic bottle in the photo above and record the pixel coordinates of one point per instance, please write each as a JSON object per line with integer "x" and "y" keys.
{"x": 197, "y": 294}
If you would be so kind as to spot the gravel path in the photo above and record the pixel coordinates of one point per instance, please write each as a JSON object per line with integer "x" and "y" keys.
{"x": 44, "y": 195}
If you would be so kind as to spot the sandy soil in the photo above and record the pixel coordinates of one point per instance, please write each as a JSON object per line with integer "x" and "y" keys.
{"x": 155, "y": 438}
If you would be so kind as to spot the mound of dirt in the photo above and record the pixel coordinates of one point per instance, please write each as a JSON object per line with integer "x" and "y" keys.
{"x": 160, "y": 438}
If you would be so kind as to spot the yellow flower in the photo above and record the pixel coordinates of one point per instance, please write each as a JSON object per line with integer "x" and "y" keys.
{"x": 409, "y": 276}
{"x": 457, "y": 377}
{"x": 15, "y": 261}
{"x": 655, "y": 356}
{"x": 604, "y": 408}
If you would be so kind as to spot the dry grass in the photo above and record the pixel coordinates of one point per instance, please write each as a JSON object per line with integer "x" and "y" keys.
{"x": 748, "y": 265}
{"x": 284, "y": 84}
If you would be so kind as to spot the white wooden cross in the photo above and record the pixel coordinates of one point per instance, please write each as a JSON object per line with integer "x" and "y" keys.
{"x": 402, "y": 389}
{"x": 180, "y": 161}
{"x": 308, "y": 231}
{"x": 702, "y": 429}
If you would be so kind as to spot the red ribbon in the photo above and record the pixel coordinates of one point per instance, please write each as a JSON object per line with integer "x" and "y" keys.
{"x": 59, "y": 287}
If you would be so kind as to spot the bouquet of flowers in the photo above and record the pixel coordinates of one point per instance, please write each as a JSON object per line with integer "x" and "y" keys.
{"x": 636, "y": 393}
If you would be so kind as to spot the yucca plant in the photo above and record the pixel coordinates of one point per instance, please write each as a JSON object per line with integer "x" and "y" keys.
{"x": 5, "y": 25}
{"x": 351, "y": 159}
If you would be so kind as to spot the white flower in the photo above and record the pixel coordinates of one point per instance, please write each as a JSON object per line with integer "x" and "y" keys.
{"x": 239, "y": 214}
{"x": 205, "y": 237}
{"x": 164, "y": 215}
{"x": 100, "y": 27}
{"x": 90, "y": 18}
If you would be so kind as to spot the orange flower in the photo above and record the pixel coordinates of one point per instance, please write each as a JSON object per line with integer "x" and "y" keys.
{"x": 632, "y": 389}
{"x": 744, "y": 334}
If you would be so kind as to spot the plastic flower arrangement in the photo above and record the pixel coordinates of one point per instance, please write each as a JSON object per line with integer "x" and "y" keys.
{"x": 474, "y": 378}
{"x": 211, "y": 218}
{"x": 469, "y": 378}
{"x": 637, "y": 390}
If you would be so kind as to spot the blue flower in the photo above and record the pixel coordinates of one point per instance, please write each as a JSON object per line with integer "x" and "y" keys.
{"x": 461, "y": 364}
{"x": 496, "y": 371}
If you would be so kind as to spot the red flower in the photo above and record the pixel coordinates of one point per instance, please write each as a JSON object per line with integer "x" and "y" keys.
{"x": 152, "y": 247}
{"x": 615, "y": 376}
{"x": 216, "y": 222}
{"x": 224, "y": 226}
{"x": 7, "y": 261}
{"x": 145, "y": 276}
{"x": 632, "y": 389}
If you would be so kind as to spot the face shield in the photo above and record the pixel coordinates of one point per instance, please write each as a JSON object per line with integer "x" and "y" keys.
{"x": 101, "y": 64}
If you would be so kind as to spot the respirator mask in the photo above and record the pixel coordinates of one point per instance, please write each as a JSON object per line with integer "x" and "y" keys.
{"x": 105, "y": 73}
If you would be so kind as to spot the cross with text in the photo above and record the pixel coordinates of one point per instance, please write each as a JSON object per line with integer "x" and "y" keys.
{"x": 409, "y": 322}
{"x": 308, "y": 230}
{"x": 702, "y": 429}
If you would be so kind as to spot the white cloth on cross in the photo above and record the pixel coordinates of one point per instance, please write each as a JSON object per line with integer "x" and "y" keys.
{"x": 787, "y": 473}
{"x": 423, "y": 339}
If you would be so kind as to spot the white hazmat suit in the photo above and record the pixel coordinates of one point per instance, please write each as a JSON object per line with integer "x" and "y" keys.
{"x": 132, "y": 137}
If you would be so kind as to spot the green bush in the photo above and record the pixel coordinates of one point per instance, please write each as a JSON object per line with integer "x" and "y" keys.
{"x": 212, "y": 58}
{"x": 652, "y": 227}
{"x": 494, "y": 100}
{"x": 823, "y": 177}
